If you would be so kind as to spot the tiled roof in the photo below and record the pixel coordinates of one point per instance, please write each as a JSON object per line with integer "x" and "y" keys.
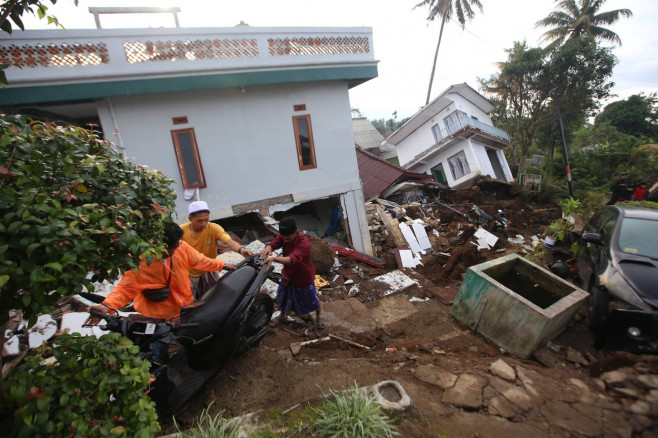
{"x": 378, "y": 175}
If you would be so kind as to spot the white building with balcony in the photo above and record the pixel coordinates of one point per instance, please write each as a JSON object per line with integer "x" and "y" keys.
{"x": 246, "y": 119}
{"x": 453, "y": 139}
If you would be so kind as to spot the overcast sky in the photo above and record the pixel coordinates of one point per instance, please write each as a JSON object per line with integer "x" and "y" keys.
{"x": 404, "y": 42}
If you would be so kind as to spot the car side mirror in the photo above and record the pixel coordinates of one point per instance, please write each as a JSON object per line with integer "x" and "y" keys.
{"x": 594, "y": 238}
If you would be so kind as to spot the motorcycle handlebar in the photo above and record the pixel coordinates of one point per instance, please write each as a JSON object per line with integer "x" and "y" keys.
{"x": 102, "y": 315}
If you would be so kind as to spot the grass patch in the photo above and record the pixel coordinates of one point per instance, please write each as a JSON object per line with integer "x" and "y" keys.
{"x": 212, "y": 427}
{"x": 353, "y": 414}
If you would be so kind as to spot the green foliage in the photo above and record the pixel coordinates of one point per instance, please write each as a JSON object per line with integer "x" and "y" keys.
{"x": 96, "y": 387}
{"x": 645, "y": 204}
{"x": 70, "y": 204}
{"x": 463, "y": 9}
{"x": 560, "y": 227}
{"x": 644, "y": 164}
{"x": 12, "y": 11}
{"x": 387, "y": 125}
{"x": 353, "y": 414}
{"x": 575, "y": 18}
{"x": 601, "y": 151}
{"x": 533, "y": 81}
{"x": 636, "y": 115}
{"x": 212, "y": 427}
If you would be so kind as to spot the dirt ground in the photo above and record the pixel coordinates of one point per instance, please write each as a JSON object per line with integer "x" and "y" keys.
{"x": 411, "y": 331}
{"x": 460, "y": 383}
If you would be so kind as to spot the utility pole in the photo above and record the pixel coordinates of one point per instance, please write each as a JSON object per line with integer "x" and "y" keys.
{"x": 564, "y": 147}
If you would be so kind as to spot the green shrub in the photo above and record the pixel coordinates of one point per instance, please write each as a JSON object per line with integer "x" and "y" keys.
{"x": 71, "y": 204}
{"x": 353, "y": 414}
{"x": 96, "y": 387}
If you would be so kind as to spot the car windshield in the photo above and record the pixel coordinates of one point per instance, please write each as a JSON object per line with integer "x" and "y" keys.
{"x": 639, "y": 237}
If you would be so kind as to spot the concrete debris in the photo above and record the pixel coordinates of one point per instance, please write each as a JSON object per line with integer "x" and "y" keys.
{"x": 485, "y": 239}
{"x": 44, "y": 329}
{"x": 407, "y": 259}
{"x": 396, "y": 281}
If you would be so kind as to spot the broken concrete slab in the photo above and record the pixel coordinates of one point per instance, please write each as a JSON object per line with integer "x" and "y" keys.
{"x": 391, "y": 310}
{"x": 436, "y": 376}
{"x": 467, "y": 392}
{"x": 350, "y": 314}
{"x": 564, "y": 415}
{"x": 501, "y": 407}
{"x": 396, "y": 280}
{"x": 503, "y": 370}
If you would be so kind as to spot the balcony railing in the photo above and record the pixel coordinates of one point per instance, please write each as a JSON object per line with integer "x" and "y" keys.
{"x": 461, "y": 125}
{"x": 466, "y": 123}
{"x": 87, "y": 55}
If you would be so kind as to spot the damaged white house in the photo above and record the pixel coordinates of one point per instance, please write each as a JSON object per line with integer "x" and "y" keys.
{"x": 453, "y": 139}
{"x": 246, "y": 119}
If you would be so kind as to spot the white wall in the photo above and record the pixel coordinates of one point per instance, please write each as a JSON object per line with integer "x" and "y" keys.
{"x": 442, "y": 157}
{"x": 246, "y": 141}
{"x": 461, "y": 104}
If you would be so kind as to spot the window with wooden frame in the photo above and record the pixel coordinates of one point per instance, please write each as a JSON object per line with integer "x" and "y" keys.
{"x": 189, "y": 160}
{"x": 304, "y": 140}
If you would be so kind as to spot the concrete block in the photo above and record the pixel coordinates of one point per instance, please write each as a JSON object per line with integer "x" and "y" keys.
{"x": 515, "y": 303}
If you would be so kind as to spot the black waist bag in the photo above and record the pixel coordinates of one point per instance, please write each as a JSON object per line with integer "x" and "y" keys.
{"x": 162, "y": 294}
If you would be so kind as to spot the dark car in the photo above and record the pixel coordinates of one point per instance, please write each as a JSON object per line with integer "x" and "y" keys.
{"x": 618, "y": 264}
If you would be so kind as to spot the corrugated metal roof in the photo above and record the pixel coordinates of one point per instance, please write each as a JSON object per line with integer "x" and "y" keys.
{"x": 377, "y": 175}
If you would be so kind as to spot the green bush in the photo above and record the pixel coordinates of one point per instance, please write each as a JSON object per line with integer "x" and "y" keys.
{"x": 96, "y": 387}
{"x": 353, "y": 414}
{"x": 71, "y": 204}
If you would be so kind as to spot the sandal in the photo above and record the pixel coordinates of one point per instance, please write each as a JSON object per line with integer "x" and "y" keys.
{"x": 319, "y": 323}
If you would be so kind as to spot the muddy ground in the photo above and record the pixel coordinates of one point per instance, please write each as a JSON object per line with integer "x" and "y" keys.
{"x": 412, "y": 339}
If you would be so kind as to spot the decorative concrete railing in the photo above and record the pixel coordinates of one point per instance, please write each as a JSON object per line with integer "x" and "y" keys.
{"x": 465, "y": 123}
{"x": 57, "y": 55}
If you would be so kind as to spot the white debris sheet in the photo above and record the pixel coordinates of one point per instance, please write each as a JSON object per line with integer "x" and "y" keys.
{"x": 44, "y": 329}
{"x": 73, "y": 321}
{"x": 256, "y": 246}
{"x": 421, "y": 235}
{"x": 396, "y": 280}
{"x": 411, "y": 239}
{"x": 486, "y": 240}
{"x": 408, "y": 259}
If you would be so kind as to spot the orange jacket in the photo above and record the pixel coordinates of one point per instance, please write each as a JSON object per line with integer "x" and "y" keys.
{"x": 155, "y": 276}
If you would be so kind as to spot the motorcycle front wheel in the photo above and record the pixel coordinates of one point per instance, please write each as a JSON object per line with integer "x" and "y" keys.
{"x": 259, "y": 314}
{"x": 257, "y": 323}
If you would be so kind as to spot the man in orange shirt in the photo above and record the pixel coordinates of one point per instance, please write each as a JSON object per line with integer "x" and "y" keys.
{"x": 203, "y": 235}
{"x": 173, "y": 272}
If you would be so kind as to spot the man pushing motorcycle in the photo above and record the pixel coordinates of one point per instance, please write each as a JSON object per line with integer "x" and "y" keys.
{"x": 160, "y": 290}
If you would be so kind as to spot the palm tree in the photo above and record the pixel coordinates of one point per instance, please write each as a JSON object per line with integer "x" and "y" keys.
{"x": 574, "y": 18}
{"x": 444, "y": 9}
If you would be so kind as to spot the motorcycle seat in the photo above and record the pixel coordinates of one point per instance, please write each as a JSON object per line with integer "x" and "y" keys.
{"x": 221, "y": 299}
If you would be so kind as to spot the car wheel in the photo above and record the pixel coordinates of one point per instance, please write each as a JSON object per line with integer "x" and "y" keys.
{"x": 597, "y": 310}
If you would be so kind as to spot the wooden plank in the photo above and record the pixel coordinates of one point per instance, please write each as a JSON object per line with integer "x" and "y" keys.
{"x": 393, "y": 227}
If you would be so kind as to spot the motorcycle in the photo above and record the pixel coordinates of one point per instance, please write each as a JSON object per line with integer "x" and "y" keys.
{"x": 232, "y": 317}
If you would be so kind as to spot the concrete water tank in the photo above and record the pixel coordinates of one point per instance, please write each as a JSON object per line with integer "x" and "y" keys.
{"x": 515, "y": 303}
